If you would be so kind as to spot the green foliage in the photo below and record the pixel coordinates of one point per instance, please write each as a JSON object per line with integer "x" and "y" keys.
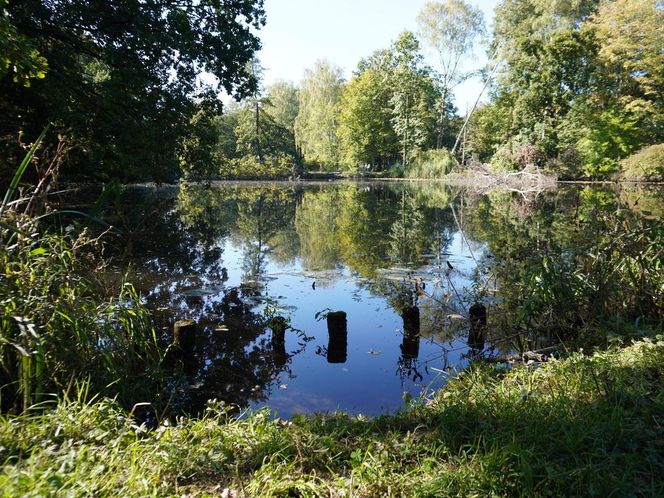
{"x": 277, "y": 166}
{"x": 56, "y": 324}
{"x": 56, "y": 328}
{"x": 365, "y": 129}
{"x": 488, "y": 129}
{"x": 432, "y": 164}
{"x": 316, "y": 123}
{"x": 388, "y": 109}
{"x": 578, "y": 270}
{"x": 578, "y": 77}
{"x": 607, "y": 138}
{"x": 580, "y": 426}
{"x": 197, "y": 151}
{"x": 122, "y": 81}
{"x": 645, "y": 165}
{"x": 18, "y": 55}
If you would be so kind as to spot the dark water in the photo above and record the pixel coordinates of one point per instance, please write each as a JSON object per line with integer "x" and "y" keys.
{"x": 404, "y": 262}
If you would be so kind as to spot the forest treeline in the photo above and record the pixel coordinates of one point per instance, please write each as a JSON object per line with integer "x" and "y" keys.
{"x": 575, "y": 87}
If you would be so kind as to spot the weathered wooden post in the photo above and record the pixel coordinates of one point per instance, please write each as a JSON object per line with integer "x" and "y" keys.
{"x": 278, "y": 325}
{"x": 337, "y": 329}
{"x": 184, "y": 335}
{"x": 184, "y": 339}
{"x": 410, "y": 347}
{"x": 477, "y": 334}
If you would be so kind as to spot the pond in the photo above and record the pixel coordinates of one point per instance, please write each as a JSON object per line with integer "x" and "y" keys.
{"x": 263, "y": 269}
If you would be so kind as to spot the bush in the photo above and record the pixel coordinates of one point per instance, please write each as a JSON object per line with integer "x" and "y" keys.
{"x": 55, "y": 329}
{"x": 277, "y": 166}
{"x": 432, "y": 164}
{"x": 503, "y": 159}
{"x": 646, "y": 165}
{"x": 529, "y": 155}
{"x": 567, "y": 165}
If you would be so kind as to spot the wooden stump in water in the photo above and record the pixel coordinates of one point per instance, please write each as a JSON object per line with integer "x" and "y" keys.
{"x": 410, "y": 347}
{"x": 184, "y": 336}
{"x": 278, "y": 325}
{"x": 337, "y": 329}
{"x": 477, "y": 334}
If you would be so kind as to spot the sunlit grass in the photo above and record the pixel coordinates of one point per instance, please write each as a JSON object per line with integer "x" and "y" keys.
{"x": 582, "y": 426}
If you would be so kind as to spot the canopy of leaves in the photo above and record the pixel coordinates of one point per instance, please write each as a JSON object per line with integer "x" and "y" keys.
{"x": 123, "y": 77}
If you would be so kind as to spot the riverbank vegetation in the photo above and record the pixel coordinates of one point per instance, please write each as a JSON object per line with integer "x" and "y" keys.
{"x": 571, "y": 90}
{"x": 93, "y": 399}
{"x": 587, "y": 425}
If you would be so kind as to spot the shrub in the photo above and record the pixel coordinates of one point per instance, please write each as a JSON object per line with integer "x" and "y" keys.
{"x": 646, "y": 165}
{"x": 432, "y": 164}
{"x": 529, "y": 154}
{"x": 54, "y": 327}
{"x": 503, "y": 159}
{"x": 277, "y": 166}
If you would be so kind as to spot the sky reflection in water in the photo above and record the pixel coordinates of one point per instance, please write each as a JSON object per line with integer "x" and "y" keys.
{"x": 236, "y": 253}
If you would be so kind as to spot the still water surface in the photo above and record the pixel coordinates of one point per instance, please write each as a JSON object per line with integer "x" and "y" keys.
{"x": 233, "y": 257}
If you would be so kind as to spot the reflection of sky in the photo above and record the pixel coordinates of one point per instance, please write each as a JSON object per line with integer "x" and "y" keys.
{"x": 368, "y": 382}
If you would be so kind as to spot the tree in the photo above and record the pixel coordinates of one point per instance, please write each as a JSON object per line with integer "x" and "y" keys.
{"x": 631, "y": 38}
{"x": 388, "y": 109}
{"x": 123, "y": 77}
{"x": 365, "y": 128}
{"x": 413, "y": 99}
{"x": 452, "y": 29}
{"x": 316, "y": 123}
{"x": 19, "y": 58}
{"x": 283, "y": 107}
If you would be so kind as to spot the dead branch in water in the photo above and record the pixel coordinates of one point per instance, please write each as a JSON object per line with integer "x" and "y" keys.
{"x": 530, "y": 181}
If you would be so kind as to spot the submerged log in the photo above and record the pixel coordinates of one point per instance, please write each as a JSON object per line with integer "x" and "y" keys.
{"x": 337, "y": 329}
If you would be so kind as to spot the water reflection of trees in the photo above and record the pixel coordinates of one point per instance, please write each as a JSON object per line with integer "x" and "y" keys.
{"x": 388, "y": 235}
{"x": 554, "y": 261}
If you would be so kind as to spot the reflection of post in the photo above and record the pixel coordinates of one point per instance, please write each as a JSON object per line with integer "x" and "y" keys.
{"x": 477, "y": 334}
{"x": 410, "y": 347}
{"x": 278, "y": 325}
{"x": 337, "y": 347}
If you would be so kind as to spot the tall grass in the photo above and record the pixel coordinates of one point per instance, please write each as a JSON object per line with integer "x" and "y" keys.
{"x": 54, "y": 327}
{"x": 585, "y": 426}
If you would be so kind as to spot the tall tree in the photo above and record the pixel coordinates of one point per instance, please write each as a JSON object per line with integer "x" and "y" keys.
{"x": 283, "y": 106}
{"x": 123, "y": 77}
{"x": 365, "y": 128}
{"x": 452, "y": 29}
{"x": 388, "y": 109}
{"x": 316, "y": 123}
{"x": 413, "y": 98}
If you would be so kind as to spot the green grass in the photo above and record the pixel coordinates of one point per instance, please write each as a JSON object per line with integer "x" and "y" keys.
{"x": 584, "y": 426}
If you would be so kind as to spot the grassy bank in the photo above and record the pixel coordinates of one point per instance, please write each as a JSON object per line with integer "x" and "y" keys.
{"x": 583, "y": 426}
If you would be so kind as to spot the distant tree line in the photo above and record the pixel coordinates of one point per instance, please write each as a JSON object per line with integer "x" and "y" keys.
{"x": 391, "y": 109}
{"x": 573, "y": 86}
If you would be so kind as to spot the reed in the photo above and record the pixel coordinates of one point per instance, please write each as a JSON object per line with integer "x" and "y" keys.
{"x": 54, "y": 327}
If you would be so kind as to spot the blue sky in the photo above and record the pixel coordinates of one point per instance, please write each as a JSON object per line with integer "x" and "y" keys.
{"x": 299, "y": 32}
